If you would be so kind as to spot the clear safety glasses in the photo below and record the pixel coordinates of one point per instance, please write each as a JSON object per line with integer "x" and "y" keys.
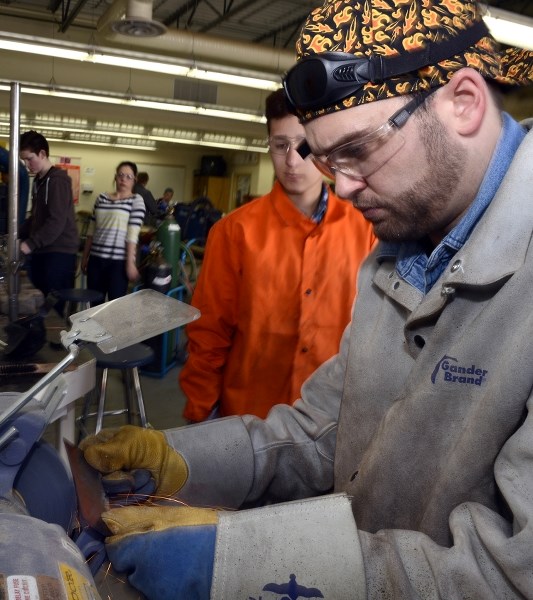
{"x": 281, "y": 144}
{"x": 365, "y": 155}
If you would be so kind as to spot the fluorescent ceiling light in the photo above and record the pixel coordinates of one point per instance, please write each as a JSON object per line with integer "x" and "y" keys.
{"x": 510, "y": 28}
{"x": 106, "y": 144}
{"x": 103, "y": 133}
{"x": 135, "y": 101}
{"x": 41, "y": 49}
{"x": 140, "y": 61}
{"x": 87, "y": 142}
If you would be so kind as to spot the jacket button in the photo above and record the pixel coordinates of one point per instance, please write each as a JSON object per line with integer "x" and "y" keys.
{"x": 305, "y": 349}
{"x": 456, "y": 266}
{"x": 308, "y": 291}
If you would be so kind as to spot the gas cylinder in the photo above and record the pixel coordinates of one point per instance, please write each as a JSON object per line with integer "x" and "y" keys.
{"x": 169, "y": 235}
{"x": 157, "y": 271}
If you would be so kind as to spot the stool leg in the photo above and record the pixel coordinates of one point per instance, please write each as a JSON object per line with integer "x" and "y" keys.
{"x": 139, "y": 396}
{"x": 68, "y": 311}
{"x": 89, "y": 397}
{"x": 128, "y": 389}
{"x": 101, "y": 402}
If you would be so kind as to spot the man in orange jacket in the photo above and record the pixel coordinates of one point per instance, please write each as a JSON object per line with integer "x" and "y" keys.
{"x": 276, "y": 286}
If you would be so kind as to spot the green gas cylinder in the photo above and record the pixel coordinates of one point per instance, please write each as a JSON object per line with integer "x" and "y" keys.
{"x": 169, "y": 234}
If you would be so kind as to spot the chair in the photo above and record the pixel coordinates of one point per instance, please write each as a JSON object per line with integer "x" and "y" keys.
{"x": 77, "y": 299}
{"x": 127, "y": 361}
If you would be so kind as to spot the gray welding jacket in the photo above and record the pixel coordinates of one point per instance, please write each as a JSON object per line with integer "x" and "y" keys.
{"x": 420, "y": 425}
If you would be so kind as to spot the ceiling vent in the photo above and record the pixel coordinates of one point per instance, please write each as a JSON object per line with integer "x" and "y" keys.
{"x": 138, "y": 21}
{"x": 195, "y": 91}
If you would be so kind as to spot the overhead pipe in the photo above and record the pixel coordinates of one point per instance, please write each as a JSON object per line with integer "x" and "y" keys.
{"x": 195, "y": 46}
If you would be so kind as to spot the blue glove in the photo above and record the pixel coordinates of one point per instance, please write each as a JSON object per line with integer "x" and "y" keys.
{"x": 128, "y": 487}
{"x": 166, "y": 551}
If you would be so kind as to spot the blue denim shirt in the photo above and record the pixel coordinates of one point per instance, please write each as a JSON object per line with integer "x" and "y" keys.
{"x": 321, "y": 207}
{"x": 412, "y": 263}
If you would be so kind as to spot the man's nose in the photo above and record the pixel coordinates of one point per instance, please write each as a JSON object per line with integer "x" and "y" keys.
{"x": 347, "y": 187}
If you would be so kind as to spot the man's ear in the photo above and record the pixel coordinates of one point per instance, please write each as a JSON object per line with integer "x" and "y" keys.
{"x": 467, "y": 97}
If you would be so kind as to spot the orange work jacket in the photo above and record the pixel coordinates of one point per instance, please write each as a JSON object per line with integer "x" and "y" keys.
{"x": 275, "y": 291}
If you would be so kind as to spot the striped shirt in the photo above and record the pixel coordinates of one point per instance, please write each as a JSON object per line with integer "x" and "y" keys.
{"x": 114, "y": 223}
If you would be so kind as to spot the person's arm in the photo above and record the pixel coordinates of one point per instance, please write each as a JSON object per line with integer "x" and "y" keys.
{"x": 210, "y": 337}
{"x": 132, "y": 236}
{"x": 238, "y": 461}
{"x": 131, "y": 262}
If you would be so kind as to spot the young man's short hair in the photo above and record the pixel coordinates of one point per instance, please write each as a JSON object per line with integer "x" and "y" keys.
{"x": 276, "y": 106}
{"x": 34, "y": 142}
{"x": 142, "y": 178}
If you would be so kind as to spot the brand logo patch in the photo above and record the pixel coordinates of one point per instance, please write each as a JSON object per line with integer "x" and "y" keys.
{"x": 291, "y": 590}
{"x": 453, "y": 372}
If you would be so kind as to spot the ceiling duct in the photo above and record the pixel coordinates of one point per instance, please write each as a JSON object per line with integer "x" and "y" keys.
{"x": 137, "y": 21}
{"x": 200, "y": 47}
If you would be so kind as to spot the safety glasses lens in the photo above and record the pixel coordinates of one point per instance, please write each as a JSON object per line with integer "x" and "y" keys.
{"x": 279, "y": 144}
{"x": 363, "y": 157}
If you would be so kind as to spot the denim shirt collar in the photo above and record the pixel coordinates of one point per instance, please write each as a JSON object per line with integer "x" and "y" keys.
{"x": 321, "y": 207}
{"x": 412, "y": 262}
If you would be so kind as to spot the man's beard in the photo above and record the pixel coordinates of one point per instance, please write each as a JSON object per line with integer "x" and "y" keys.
{"x": 421, "y": 210}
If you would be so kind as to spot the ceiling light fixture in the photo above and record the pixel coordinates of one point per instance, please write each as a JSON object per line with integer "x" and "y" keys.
{"x": 53, "y": 137}
{"x": 134, "y": 101}
{"x": 117, "y": 135}
{"x": 96, "y": 143}
{"x": 154, "y": 63}
{"x": 510, "y": 28}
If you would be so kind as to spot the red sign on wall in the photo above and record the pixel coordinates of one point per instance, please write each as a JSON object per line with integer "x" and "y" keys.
{"x": 74, "y": 174}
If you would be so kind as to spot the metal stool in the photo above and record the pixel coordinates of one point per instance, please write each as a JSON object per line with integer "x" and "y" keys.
{"x": 127, "y": 360}
{"x": 79, "y": 299}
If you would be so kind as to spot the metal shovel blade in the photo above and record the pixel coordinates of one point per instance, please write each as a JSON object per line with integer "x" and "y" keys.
{"x": 128, "y": 320}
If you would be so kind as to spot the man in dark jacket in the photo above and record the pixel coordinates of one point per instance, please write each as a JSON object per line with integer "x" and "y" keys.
{"x": 49, "y": 234}
{"x": 149, "y": 200}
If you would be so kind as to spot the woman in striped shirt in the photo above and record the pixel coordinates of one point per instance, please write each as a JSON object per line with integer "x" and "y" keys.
{"x": 110, "y": 252}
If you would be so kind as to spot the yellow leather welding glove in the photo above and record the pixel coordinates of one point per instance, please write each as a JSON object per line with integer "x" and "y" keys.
{"x": 129, "y": 448}
{"x": 167, "y": 552}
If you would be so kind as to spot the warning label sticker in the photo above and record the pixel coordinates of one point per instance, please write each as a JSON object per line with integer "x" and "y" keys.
{"x": 77, "y": 587}
{"x": 22, "y": 587}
